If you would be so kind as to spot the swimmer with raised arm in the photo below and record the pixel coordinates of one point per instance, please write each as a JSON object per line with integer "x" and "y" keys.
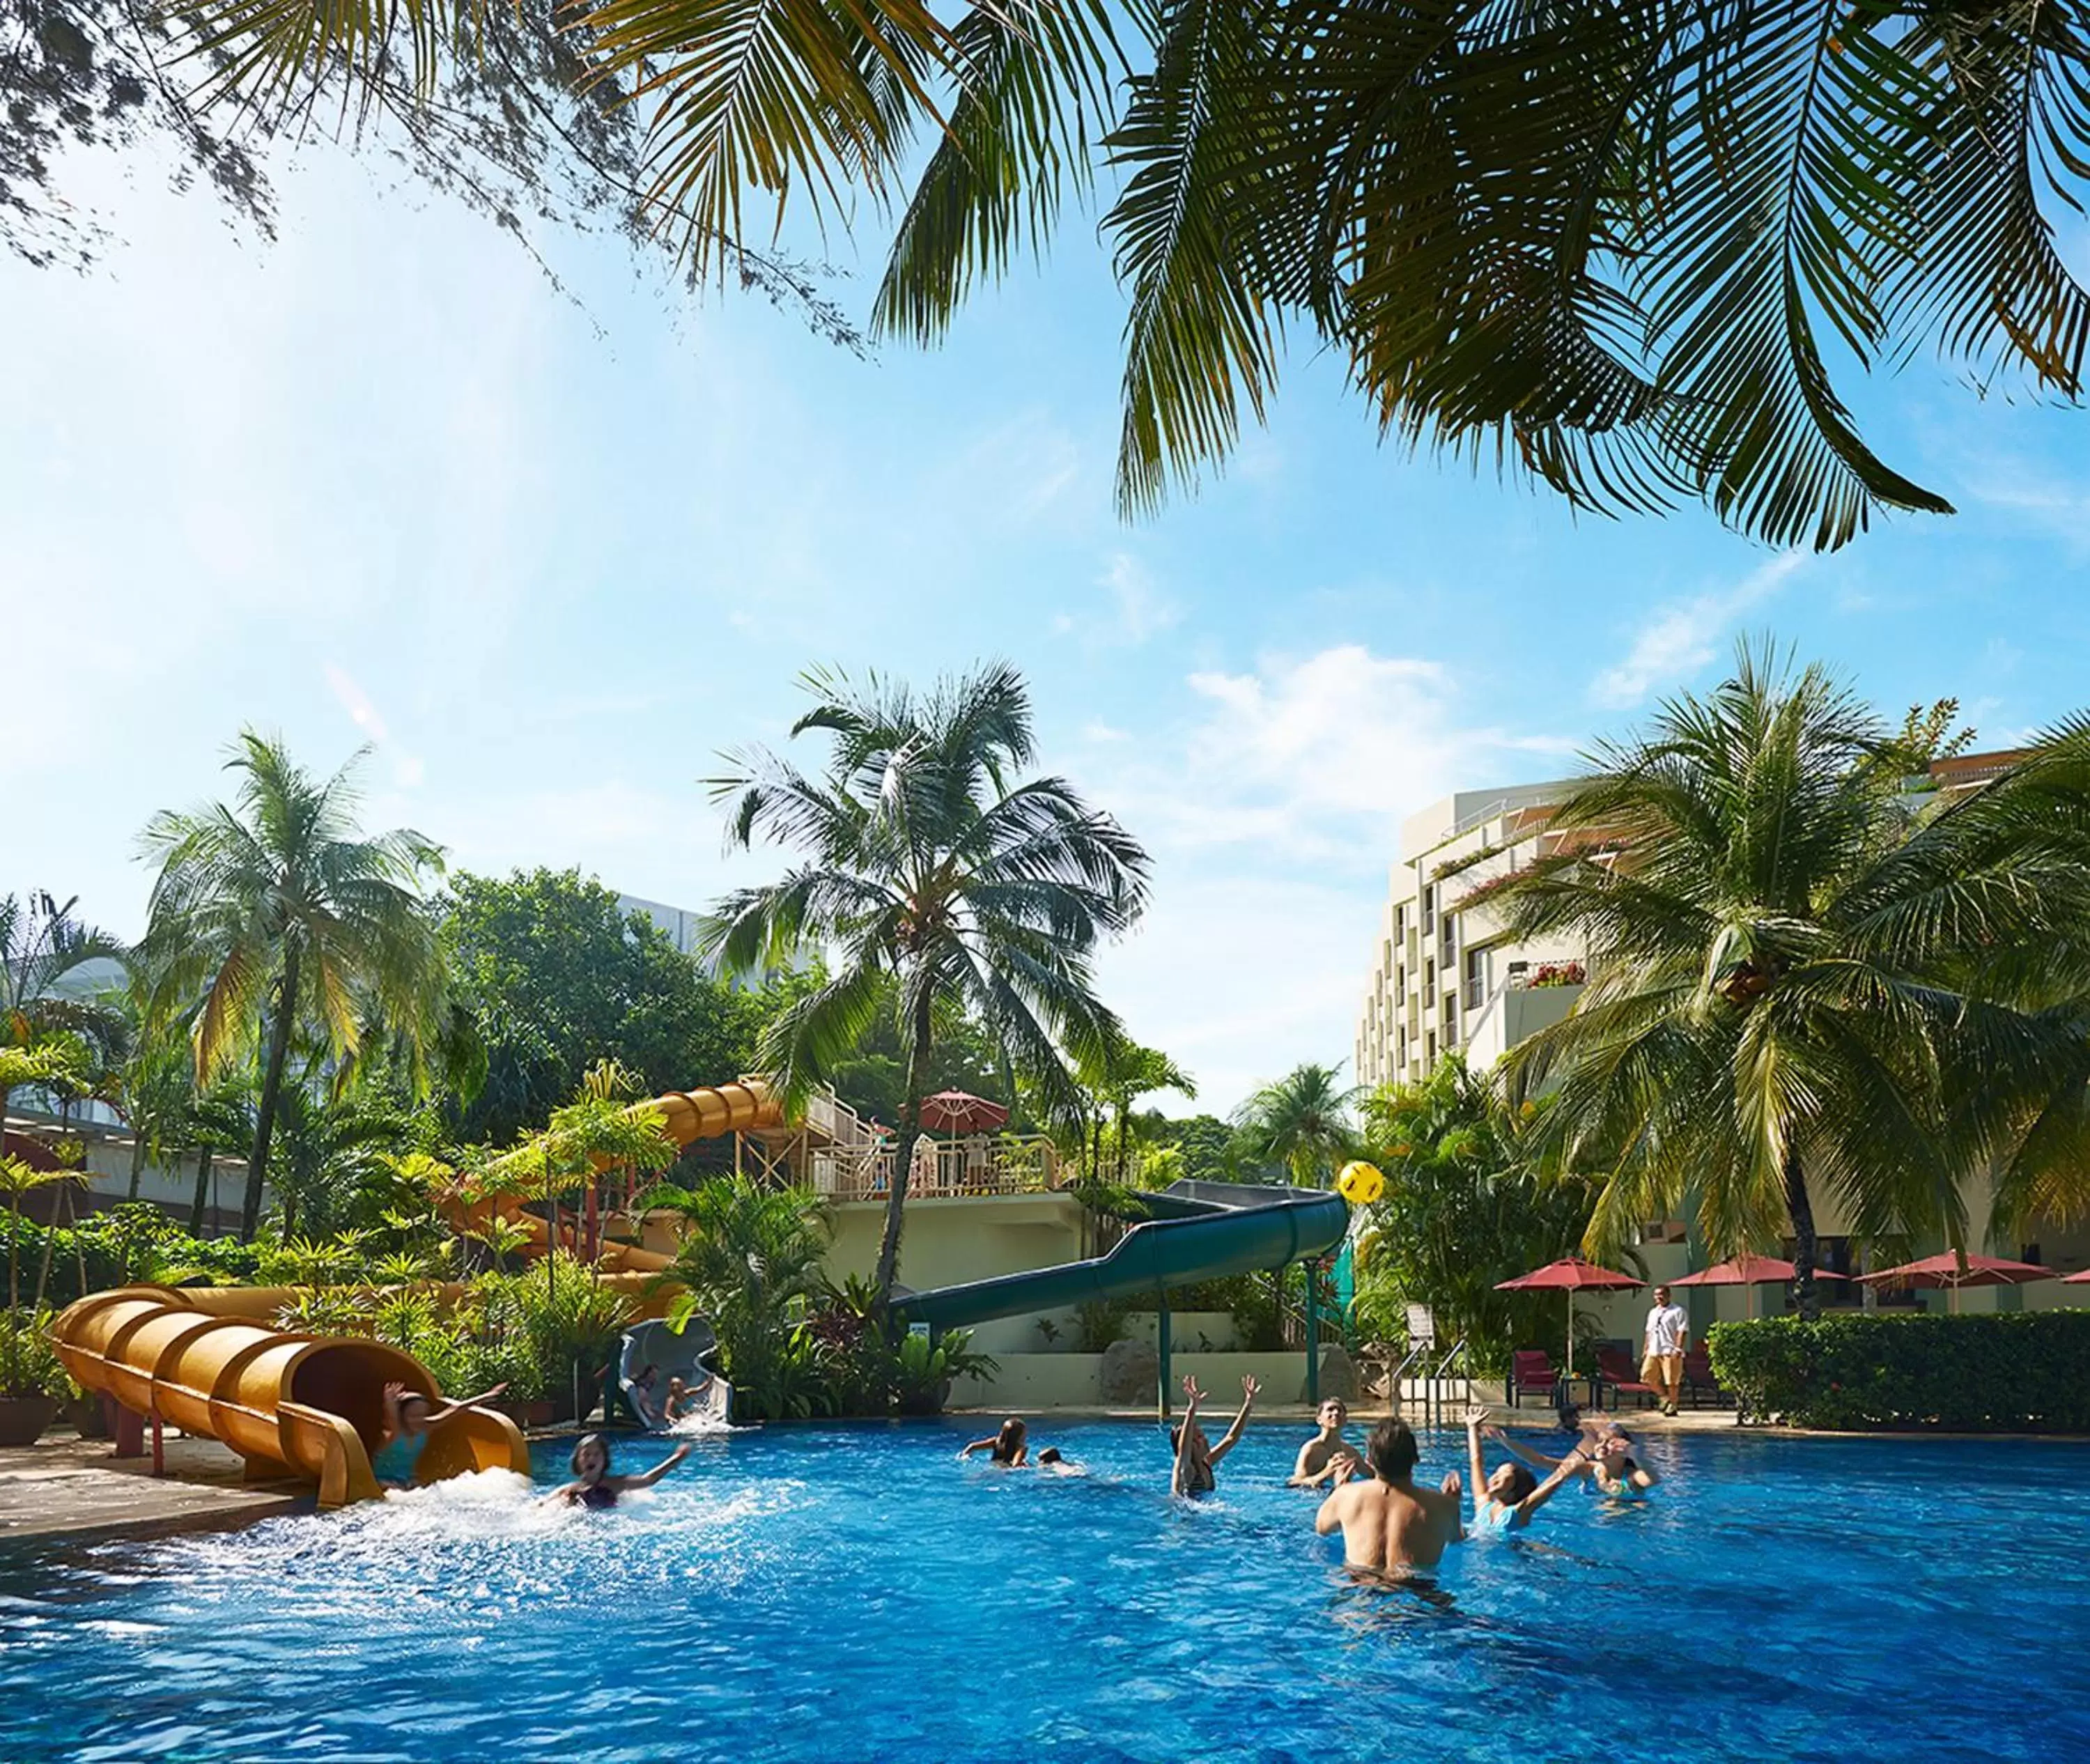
{"x": 1390, "y": 1526}
{"x": 1196, "y": 1456}
{"x": 593, "y": 1485}
{"x": 1607, "y": 1460}
{"x": 1328, "y": 1456}
{"x": 1008, "y": 1445}
{"x": 1506, "y": 1500}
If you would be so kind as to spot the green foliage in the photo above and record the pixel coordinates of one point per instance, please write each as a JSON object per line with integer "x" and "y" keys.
{"x": 127, "y": 1245}
{"x": 922, "y": 1370}
{"x": 1803, "y": 977}
{"x": 750, "y": 1260}
{"x": 2013, "y": 1372}
{"x": 275, "y": 918}
{"x": 941, "y": 887}
{"x": 1101, "y": 1322}
{"x": 29, "y": 1364}
{"x": 1466, "y": 1205}
{"x": 1302, "y": 1123}
{"x": 559, "y": 977}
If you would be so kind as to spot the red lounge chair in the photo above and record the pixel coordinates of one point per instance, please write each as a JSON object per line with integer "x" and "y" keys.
{"x": 1616, "y": 1374}
{"x": 1698, "y": 1379}
{"x": 1530, "y": 1370}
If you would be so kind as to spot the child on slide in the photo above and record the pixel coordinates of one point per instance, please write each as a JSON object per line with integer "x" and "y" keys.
{"x": 404, "y": 1429}
{"x": 593, "y": 1486}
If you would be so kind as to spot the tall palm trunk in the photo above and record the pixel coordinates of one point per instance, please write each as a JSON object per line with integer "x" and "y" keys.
{"x": 1800, "y": 1206}
{"x": 137, "y": 1162}
{"x": 1123, "y": 1129}
{"x": 204, "y": 1152}
{"x": 272, "y": 1089}
{"x": 903, "y": 1151}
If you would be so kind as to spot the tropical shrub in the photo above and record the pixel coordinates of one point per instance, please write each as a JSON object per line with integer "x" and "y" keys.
{"x": 2013, "y": 1371}
{"x": 1466, "y": 1205}
{"x": 29, "y": 1364}
{"x": 923, "y": 1370}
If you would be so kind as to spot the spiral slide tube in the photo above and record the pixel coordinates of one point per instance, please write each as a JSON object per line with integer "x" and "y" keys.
{"x": 310, "y": 1406}
{"x": 689, "y": 1116}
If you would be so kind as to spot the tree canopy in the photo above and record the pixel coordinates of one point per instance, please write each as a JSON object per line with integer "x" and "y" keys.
{"x": 1806, "y": 976}
{"x": 1627, "y": 251}
{"x": 558, "y": 977}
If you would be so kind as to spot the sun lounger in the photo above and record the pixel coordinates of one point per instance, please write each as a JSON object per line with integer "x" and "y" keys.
{"x": 1530, "y": 1370}
{"x": 1616, "y": 1373}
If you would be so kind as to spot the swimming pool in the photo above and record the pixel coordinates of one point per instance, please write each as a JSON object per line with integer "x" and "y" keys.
{"x": 852, "y": 1592}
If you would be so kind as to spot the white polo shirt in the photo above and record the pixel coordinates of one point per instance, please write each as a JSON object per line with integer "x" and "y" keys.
{"x": 1666, "y": 1326}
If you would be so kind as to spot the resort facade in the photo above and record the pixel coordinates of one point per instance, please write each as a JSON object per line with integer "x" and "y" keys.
{"x": 1447, "y": 976}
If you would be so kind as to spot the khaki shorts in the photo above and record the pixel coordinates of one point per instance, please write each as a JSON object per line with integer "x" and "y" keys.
{"x": 1662, "y": 1368}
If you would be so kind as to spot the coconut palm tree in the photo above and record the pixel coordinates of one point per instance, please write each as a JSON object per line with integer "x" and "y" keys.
{"x": 927, "y": 863}
{"x": 1806, "y": 977}
{"x": 275, "y": 912}
{"x": 1620, "y": 249}
{"x": 1303, "y": 1122}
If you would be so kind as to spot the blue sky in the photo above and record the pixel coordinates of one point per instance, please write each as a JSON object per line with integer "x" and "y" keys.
{"x": 550, "y": 552}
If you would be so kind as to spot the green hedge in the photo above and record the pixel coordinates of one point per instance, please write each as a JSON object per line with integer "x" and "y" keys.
{"x": 2013, "y": 1371}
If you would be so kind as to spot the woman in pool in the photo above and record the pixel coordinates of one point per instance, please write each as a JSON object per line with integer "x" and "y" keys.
{"x": 1607, "y": 1461}
{"x": 1196, "y": 1458}
{"x": 594, "y": 1486}
{"x": 1506, "y": 1500}
{"x": 1009, "y": 1446}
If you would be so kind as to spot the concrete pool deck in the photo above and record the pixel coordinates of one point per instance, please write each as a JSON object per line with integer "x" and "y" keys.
{"x": 67, "y": 1490}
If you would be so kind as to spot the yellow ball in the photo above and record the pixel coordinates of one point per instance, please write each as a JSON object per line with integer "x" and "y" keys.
{"x": 1360, "y": 1184}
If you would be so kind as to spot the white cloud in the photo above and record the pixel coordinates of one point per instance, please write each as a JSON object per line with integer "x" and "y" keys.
{"x": 1682, "y": 636}
{"x": 1272, "y": 812}
{"x": 1143, "y": 610}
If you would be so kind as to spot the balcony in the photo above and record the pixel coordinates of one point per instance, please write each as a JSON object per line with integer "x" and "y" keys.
{"x": 944, "y": 1169}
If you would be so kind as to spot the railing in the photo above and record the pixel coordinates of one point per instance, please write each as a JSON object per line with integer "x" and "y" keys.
{"x": 1449, "y": 1381}
{"x": 943, "y": 1169}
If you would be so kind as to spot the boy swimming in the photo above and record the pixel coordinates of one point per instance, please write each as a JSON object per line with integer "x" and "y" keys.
{"x": 1328, "y": 1455}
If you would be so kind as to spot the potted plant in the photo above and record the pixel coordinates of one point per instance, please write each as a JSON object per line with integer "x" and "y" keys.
{"x": 31, "y": 1379}
{"x": 923, "y": 1372}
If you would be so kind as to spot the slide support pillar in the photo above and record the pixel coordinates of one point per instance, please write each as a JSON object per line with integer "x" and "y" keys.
{"x": 1312, "y": 1331}
{"x": 1164, "y": 1335}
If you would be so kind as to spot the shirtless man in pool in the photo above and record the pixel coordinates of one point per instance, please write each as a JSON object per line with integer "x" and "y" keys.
{"x": 1328, "y": 1455}
{"x": 1389, "y": 1526}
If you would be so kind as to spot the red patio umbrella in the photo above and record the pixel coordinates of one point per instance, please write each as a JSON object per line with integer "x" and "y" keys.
{"x": 1572, "y": 1274}
{"x": 958, "y": 1112}
{"x": 1749, "y": 1272}
{"x": 1953, "y": 1269}
{"x": 2076, "y": 1280}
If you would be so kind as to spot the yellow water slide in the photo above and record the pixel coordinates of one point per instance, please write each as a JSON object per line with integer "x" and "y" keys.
{"x": 689, "y": 1116}
{"x": 311, "y": 1406}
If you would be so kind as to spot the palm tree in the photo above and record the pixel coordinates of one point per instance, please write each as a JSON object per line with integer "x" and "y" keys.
{"x": 1806, "y": 977}
{"x": 42, "y": 948}
{"x": 1599, "y": 245}
{"x": 1127, "y": 1072}
{"x": 1303, "y": 1122}
{"x": 928, "y": 864}
{"x": 277, "y": 912}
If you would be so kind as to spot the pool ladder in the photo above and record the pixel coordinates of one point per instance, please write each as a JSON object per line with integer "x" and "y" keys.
{"x": 1449, "y": 1380}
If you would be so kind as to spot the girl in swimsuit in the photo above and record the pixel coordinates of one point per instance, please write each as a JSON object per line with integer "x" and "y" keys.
{"x": 1196, "y": 1456}
{"x": 593, "y": 1486}
{"x": 1009, "y": 1447}
{"x": 1506, "y": 1500}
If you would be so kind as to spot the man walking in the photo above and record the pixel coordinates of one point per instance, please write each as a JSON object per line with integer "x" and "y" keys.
{"x": 1662, "y": 1361}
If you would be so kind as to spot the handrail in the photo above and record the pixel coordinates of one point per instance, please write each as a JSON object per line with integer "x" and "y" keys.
{"x": 1398, "y": 1376}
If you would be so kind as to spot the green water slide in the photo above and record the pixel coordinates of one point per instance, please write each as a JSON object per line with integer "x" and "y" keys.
{"x": 1199, "y": 1231}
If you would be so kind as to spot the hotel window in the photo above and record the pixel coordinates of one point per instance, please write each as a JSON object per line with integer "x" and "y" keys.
{"x": 1477, "y": 978}
{"x": 1429, "y": 909}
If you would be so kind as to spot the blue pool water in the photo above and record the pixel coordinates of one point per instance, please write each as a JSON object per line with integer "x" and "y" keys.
{"x": 854, "y": 1593}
